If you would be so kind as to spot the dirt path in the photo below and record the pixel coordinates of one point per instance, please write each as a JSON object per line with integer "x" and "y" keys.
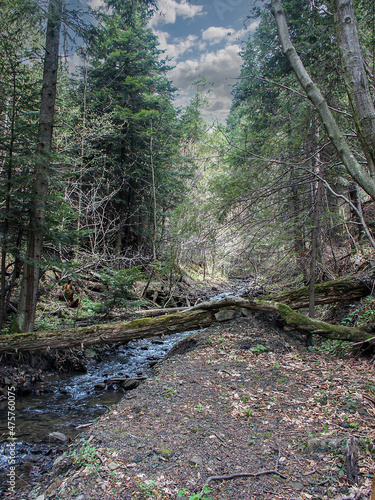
{"x": 239, "y": 397}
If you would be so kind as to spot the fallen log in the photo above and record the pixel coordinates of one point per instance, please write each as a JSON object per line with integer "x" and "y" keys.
{"x": 196, "y": 317}
{"x": 121, "y": 331}
{"x": 153, "y": 313}
{"x": 343, "y": 290}
{"x": 292, "y": 318}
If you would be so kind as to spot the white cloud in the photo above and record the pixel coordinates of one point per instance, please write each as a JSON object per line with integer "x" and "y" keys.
{"x": 253, "y": 26}
{"x": 178, "y": 47}
{"x": 220, "y": 68}
{"x": 217, "y": 66}
{"x": 215, "y": 34}
{"x": 170, "y": 9}
{"x": 73, "y": 62}
{"x": 95, "y": 4}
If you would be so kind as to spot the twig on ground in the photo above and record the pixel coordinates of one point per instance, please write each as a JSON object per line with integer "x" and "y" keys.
{"x": 219, "y": 438}
{"x": 18, "y": 477}
{"x": 321, "y": 483}
{"x": 243, "y": 474}
{"x": 228, "y": 373}
{"x": 278, "y": 459}
{"x": 357, "y": 496}
{"x": 310, "y": 472}
{"x": 369, "y": 399}
{"x": 82, "y": 426}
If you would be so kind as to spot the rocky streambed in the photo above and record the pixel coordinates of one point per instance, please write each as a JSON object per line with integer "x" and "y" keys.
{"x": 51, "y": 409}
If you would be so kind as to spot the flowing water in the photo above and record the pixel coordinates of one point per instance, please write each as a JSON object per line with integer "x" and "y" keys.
{"x": 65, "y": 403}
{"x": 71, "y": 401}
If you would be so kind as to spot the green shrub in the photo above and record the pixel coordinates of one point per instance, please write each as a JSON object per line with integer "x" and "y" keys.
{"x": 119, "y": 286}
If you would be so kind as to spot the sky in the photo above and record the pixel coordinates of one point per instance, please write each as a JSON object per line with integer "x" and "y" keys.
{"x": 202, "y": 38}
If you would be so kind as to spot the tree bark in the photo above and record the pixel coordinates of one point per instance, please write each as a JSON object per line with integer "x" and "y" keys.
{"x": 107, "y": 333}
{"x": 33, "y": 257}
{"x": 344, "y": 290}
{"x": 356, "y": 82}
{"x": 337, "y": 138}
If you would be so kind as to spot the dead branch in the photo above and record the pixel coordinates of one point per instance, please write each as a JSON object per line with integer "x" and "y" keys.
{"x": 243, "y": 474}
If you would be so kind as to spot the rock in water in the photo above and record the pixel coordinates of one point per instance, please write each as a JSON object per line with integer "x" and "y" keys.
{"x": 57, "y": 436}
{"x": 129, "y": 384}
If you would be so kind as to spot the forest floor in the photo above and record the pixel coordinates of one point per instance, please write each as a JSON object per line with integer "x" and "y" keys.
{"x": 238, "y": 397}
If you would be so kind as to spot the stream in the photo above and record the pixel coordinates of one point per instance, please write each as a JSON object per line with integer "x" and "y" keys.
{"x": 65, "y": 403}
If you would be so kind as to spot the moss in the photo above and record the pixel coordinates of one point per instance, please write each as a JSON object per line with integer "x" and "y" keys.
{"x": 141, "y": 322}
{"x": 344, "y": 285}
{"x": 314, "y": 326}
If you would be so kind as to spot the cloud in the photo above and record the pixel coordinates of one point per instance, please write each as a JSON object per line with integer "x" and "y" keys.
{"x": 215, "y": 34}
{"x": 170, "y": 9}
{"x": 220, "y": 68}
{"x": 95, "y": 4}
{"x": 216, "y": 66}
{"x": 253, "y": 26}
{"x": 73, "y": 62}
{"x": 178, "y": 47}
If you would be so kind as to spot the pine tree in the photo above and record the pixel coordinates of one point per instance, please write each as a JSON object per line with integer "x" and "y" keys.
{"x": 34, "y": 252}
{"x": 20, "y": 73}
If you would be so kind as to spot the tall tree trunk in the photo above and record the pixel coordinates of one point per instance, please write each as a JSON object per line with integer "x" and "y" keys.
{"x": 354, "y": 168}
{"x": 33, "y": 257}
{"x": 8, "y": 162}
{"x": 356, "y": 81}
{"x": 317, "y": 168}
{"x": 154, "y": 205}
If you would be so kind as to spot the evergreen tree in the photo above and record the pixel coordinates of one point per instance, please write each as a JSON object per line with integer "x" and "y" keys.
{"x": 20, "y": 73}
{"x": 36, "y": 228}
{"x": 133, "y": 165}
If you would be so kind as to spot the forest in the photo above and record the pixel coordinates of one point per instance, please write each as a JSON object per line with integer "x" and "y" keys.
{"x": 124, "y": 216}
{"x": 105, "y": 184}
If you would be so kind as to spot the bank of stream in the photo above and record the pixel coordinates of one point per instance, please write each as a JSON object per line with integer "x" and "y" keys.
{"x": 61, "y": 405}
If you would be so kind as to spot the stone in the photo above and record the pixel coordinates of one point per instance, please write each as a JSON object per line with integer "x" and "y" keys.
{"x": 297, "y": 486}
{"x": 227, "y": 314}
{"x": 57, "y": 436}
{"x": 113, "y": 465}
{"x": 130, "y": 384}
{"x": 90, "y": 353}
{"x": 196, "y": 460}
{"x": 323, "y": 445}
{"x": 99, "y": 386}
{"x": 58, "y": 460}
{"x": 248, "y": 313}
{"x": 51, "y": 489}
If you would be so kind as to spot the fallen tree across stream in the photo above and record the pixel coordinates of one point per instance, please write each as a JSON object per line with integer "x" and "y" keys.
{"x": 197, "y": 317}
